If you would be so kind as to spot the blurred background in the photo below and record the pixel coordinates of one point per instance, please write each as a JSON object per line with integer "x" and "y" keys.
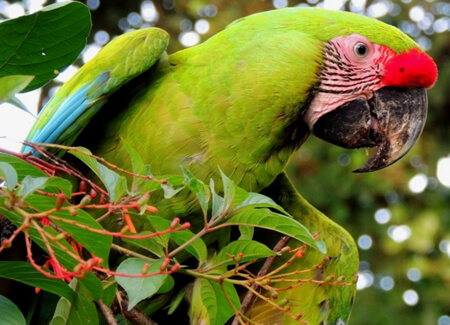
{"x": 400, "y": 217}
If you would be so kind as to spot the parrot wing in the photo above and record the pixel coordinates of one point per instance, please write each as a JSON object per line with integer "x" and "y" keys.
{"x": 124, "y": 58}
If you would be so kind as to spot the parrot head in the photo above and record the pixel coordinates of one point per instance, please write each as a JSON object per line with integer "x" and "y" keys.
{"x": 369, "y": 95}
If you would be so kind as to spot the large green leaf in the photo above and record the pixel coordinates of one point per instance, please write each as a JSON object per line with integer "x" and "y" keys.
{"x": 139, "y": 288}
{"x": 249, "y": 249}
{"x": 21, "y": 167}
{"x": 11, "y": 314}
{"x": 81, "y": 311}
{"x": 214, "y": 299}
{"x": 26, "y": 273}
{"x": 44, "y": 43}
{"x": 265, "y": 218}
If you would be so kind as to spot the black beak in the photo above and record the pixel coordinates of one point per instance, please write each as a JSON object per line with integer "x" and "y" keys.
{"x": 391, "y": 120}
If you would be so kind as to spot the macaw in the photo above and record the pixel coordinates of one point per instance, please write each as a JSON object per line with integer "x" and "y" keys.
{"x": 245, "y": 100}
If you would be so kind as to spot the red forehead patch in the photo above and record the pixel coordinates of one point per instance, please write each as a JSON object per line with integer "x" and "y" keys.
{"x": 410, "y": 69}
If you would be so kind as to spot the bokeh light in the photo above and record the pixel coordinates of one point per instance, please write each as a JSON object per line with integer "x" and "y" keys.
{"x": 383, "y": 216}
{"x": 365, "y": 242}
{"x": 410, "y": 297}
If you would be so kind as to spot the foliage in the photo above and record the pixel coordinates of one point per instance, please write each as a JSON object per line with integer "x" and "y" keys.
{"x": 48, "y": 212}
{"x": 355, "y": 199}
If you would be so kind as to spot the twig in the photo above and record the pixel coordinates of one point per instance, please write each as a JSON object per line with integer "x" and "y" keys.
{"x": 107, "y": 312}
{"x": 250, "y": 296}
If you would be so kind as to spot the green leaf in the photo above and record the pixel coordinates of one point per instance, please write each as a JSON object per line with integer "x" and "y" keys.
{"x": 137, "y": 164}
{"x": 141, "y": 287}
{"x": 32, "y": 184}
{"x": 215, "y": 301}
{"x": 168, "y": 284}
{"x": 197, "y": 187}
{"x": 153, "y": 244}
{"x": 176, "y": 301}
{"x": 21, "y": 167}
{"x": 109, "y": 291}
{"x": 250, "y": 249}
{"x": 27, "y": 274}
{"x": 91, "y": 282}
{"x": 44, "y": 43}
{"x": 217, "y": 200}
{"x": 257, "y": 200}
{"x": 82, "y": 311}
{"x": 11, "y": 314}
{"x": 97, "y": 244}
{"x": 156, "y": 304}
{"x": 9, "y": 175}
{"x": 229, "y": 192}
{"x": 197, "y": 248}
{"x": 114, "y": 183}
{"x": 175, "y": 183}
{"x": 265, "y": 218}
{"x": 11, "y": 85}
{"x": 246, "y": 233}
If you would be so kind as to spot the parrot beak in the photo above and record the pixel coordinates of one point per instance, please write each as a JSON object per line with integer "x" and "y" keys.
{"x": 391, "y": 120}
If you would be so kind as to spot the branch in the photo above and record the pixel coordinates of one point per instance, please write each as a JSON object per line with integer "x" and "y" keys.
{"x": 250, "y": 296}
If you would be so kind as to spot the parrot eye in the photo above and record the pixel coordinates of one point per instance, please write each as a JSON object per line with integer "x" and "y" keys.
{"x": 361, "y": 50}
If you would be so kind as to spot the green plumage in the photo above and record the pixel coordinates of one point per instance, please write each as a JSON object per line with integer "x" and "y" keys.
{"x": 235, "y": 101}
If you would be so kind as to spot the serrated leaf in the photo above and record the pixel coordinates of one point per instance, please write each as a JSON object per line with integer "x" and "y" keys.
{"x": 9, "y": 175}
{"x": 249, "y": 249}
{"x": 11, "y": 314}
{"x": 11, "y": 85}
{"x": 265, "y": 218}
{"x": 44, "y": 43}
{"x": 114, "y": 183}
{"x": 142, "y": 287}
{"x": 27, "y": 274}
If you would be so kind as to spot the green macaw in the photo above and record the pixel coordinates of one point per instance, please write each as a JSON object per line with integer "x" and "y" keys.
{"x": 245, "y": 100}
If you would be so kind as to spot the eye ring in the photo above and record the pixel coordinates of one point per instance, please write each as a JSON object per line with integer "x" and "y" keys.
{"x": 361, "y": 49}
